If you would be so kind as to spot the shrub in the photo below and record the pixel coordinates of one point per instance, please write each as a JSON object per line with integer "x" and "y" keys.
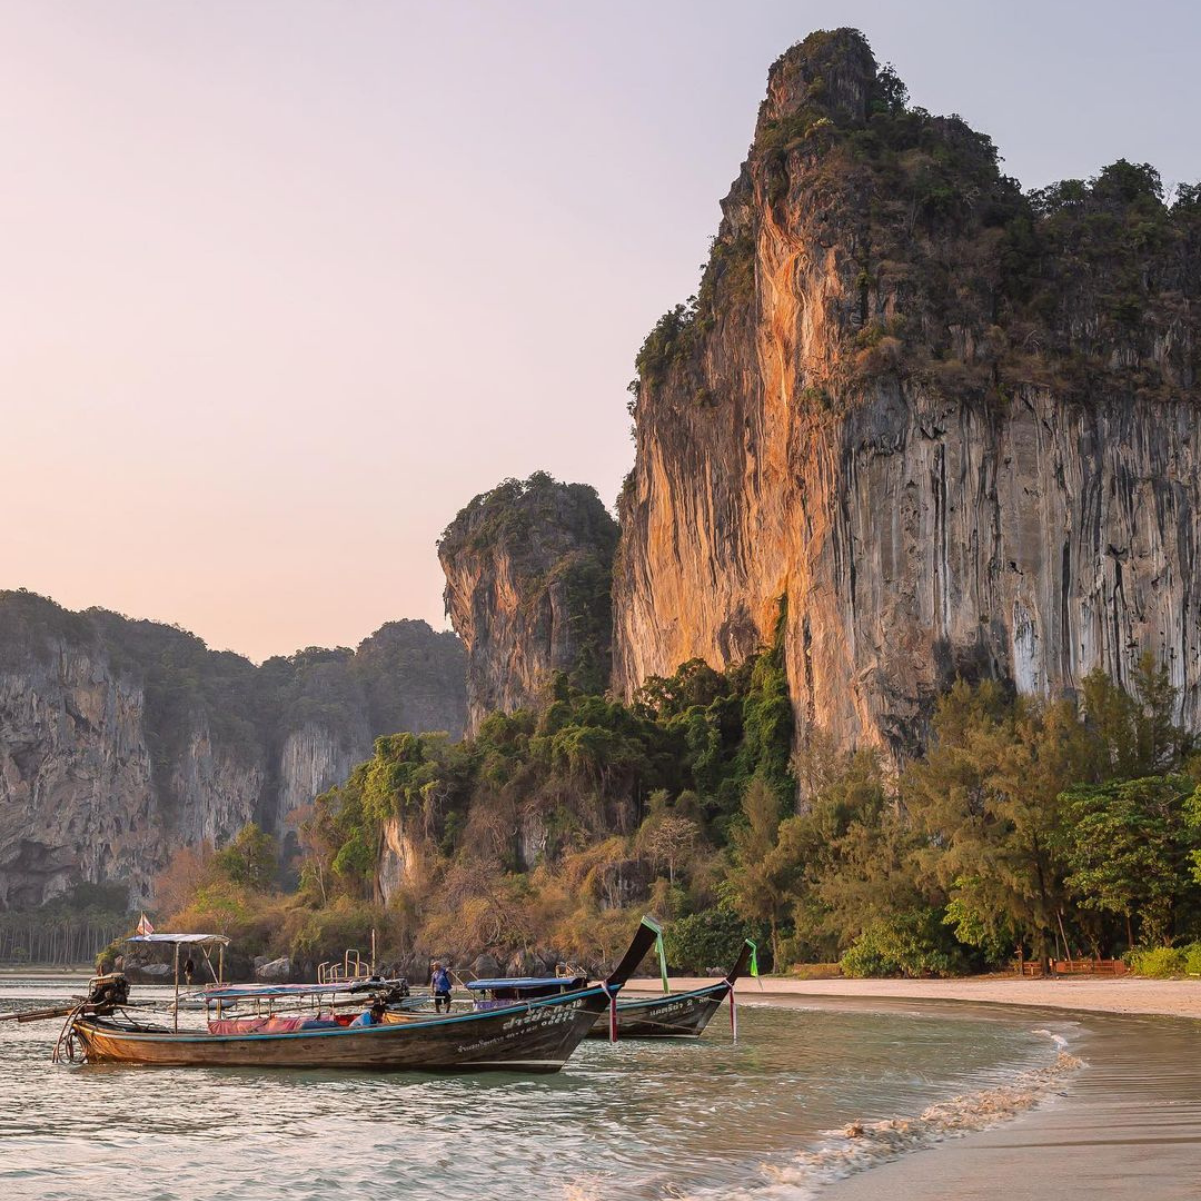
{"x": 1159, "y": 962}
{"x": 708, "y": 940}
{"x": 910, "y": 944}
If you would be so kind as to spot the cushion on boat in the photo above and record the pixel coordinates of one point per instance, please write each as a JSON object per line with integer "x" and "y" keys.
{"x": 261, "y": 1025}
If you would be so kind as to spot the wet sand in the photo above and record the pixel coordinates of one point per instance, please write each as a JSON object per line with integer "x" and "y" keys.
{"x": 1126, "y": 1126}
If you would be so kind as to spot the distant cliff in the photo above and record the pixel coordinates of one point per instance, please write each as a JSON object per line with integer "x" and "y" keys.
{"x": 121, "y": 739}
{"x": 528, "y": 575}
{"x": 956, "y": 427}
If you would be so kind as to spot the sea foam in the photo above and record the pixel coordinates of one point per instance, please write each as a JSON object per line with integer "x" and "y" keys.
{"x": 863, "y": 1145}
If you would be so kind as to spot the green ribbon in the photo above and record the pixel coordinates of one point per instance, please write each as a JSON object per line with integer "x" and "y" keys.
{"x": 662, "y": 960}
{"x": 754, "y": 957}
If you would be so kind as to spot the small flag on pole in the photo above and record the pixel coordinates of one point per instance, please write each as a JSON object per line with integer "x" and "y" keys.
{"x": 144, "y": 926}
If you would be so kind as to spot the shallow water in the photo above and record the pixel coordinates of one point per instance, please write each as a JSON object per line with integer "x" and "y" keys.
{"x": 651, "y": 1120}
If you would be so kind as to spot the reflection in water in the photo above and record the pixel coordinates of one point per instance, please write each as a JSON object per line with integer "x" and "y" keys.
{"x": 650, "y": 1119}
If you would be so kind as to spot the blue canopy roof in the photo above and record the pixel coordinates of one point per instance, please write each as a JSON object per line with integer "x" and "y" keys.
{"x": 526, "y": 982}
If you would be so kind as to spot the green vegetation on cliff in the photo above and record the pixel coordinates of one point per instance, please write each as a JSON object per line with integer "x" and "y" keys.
{"x": 1045, "y": 827}
{"x": 949, "y": 274}
{"x": 529, "y": 570}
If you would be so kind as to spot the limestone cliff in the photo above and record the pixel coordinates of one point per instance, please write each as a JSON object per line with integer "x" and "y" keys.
{"x": 955, "y": 426}
{"x": 528, "y": 569}
{"x": 120, "y": 740}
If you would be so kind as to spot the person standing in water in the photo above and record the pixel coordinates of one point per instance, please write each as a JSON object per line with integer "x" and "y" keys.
{"x": 440, "y": 983}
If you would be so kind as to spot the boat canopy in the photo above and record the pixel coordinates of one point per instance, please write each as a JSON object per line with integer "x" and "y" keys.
{"x": 242, "y": 992}
{"x": 527, "y": 984}
{"x": 208, "y": 940}
{"x": 245, "y": 992}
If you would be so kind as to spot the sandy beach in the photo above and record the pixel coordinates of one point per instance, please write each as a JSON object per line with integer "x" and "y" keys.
{"x": 1124, "y": 994}
{"x": 1126, "y": 1125}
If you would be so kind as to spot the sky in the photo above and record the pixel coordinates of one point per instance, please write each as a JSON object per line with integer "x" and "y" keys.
{"x": 284, "y": 284}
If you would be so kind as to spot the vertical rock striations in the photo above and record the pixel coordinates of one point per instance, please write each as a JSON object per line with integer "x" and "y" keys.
{"x": 528, "y": 575}
{"x": 956, "y": 426}
{"x": 120, "y": 740}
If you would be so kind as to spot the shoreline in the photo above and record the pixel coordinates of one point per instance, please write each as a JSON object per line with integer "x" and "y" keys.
{"x": 1122, "y": 995}
{"x": 42, "y": 971}
{"x": 1126, "y": 1124}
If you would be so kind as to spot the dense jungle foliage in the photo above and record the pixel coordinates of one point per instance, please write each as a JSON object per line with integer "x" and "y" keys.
{"x": 1045, "y": 827}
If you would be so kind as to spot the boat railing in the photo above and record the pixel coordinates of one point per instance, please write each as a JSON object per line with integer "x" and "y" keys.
{"x": 352, "y": 967}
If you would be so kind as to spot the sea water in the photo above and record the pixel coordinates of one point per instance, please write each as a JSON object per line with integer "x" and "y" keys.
{"x": 808, "y": 1093}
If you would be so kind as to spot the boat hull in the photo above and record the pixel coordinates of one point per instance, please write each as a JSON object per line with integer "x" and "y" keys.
{"x": 676, "y": 1015}
{"x": 534, "y": 1037}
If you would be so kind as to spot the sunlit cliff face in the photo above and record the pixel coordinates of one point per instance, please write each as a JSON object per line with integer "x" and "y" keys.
{"x": 914, "y": 406}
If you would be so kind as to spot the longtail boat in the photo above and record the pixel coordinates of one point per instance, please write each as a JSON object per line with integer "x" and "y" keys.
{"x": 672, "y": 1015}
{"x": 530, "y": 1035}
{"x": 678, "y": 1014}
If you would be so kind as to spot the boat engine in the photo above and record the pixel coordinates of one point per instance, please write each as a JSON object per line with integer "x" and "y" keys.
{"x": 105, "y": 993}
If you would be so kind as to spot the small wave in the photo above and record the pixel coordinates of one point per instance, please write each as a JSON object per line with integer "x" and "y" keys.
{"x": 863, "y": 1145}
{"x": 1057, "y": 1039}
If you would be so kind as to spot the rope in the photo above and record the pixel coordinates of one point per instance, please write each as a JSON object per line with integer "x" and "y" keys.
{"x": 66, "y": 1037}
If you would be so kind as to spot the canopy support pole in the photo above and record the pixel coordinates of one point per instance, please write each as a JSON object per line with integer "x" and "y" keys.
{"x": 177, "y": 988}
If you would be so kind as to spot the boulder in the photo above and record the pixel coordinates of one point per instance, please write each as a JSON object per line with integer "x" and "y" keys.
{"x": 274, "y": 970}
{"x": 486, "y": 967}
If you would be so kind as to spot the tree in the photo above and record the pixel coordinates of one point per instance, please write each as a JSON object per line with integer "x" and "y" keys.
{"x": 758, "y": 882}
{"x": 250, "y": 859}
{"x": 188, "y": 870}
{"x": 986, "y": 801}
{"x": 1128, "y": 849}
{"x": 1133, "y": 733}
{"x": 667, "y": 839}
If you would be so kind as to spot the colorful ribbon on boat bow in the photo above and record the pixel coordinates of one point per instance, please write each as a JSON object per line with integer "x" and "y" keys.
{"x": 662, "y": 960}
{"x": 733, "y": 1015}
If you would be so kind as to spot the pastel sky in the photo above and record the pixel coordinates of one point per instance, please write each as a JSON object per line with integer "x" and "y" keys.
{"x": 283, "y": 284}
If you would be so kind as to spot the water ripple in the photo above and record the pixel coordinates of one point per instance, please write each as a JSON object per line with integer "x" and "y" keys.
{"x": 653, "y": 1120}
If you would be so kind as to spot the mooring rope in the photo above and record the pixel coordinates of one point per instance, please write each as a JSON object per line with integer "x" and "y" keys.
{"x": 66, "y": 1037}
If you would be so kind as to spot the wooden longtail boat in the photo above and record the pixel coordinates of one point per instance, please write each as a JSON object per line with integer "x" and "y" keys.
{"x": 529, "y": 1036}
{"x": 674, "y": 1015}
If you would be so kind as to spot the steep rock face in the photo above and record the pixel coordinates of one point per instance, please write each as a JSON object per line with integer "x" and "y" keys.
{"x": 954, "y": 427}
{"x": 311, "y": 760}
{"x": 399, "y": 862}
{"x": 121, "y": 740}
{"x": 528, "y": 574}
{"x": 75, "y": 795}
{"x": 216, "y": 789}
